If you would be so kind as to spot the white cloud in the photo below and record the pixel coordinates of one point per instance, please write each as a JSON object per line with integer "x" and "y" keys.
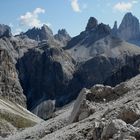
{"x": 124, "y": 6}
{"x": 75, "y": 6}
{"x": 17, "y": 31}
{"x": 134, "y": 1}
{"x": 31, "y": 19}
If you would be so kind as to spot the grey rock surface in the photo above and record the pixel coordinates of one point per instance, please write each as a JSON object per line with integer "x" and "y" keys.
{"x": 52, "y": 69}
{"x": 62, "y": 36}
{"x": 14, "y": 118}
{"x": 90, "y": 35}
{"x": 92, "y": 23}
{"x": 103, "y": 124}
{"x": 10, "y": 87}
{"x": 45, "y": 110}
{"x": 129, "y": 28}
{"x": 5, "y": 31}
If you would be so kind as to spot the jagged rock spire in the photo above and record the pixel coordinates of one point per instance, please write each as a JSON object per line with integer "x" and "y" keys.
{"x": 92, "y": 23}
{"x": 129, "y": 28}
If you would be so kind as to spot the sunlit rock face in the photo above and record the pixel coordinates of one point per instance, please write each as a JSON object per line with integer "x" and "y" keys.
{"x": 10, "y": 87}
{"x": 129, "y": 28}
{"x": 5, "y": 31}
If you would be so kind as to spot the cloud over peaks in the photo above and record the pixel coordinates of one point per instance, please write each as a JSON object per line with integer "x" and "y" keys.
{"x": 124, "y": 6}
{"x": 75, "y": 6}
{"x": 31, "y": 19}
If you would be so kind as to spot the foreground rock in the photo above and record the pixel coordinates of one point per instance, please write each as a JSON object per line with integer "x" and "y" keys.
{"x": 45, "y": 110}
{"x": 14, "y": 117}
{"x": 42, "y": 129}
{"x": 115, "y": 116}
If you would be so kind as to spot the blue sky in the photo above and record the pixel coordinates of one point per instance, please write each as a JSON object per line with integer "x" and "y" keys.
{"x": 69, "y": 14}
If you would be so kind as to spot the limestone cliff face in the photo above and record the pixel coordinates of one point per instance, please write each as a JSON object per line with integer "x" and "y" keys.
{"x": 129, "y": 28}
{"x": 10, "y": 87}
{"x": 92, "y": 33}
{"x": 5, "y": 31}
{"x": 99, "y": 113}
{"x": 44, "y": 74}
{"x": 39, "y": 34}
{"x": 49, "y": 72}
{"x": 63, "y": 37}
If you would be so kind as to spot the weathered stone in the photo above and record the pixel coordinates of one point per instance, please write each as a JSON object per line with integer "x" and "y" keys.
{"x": 129, "y": 29}
{"x": 52, "y": 69}
{"x": 62, "y": 36}
{"x": 130, "y": 114}
{"x": 112, "y": 128}
{"x": 82, "y": 107}
{"x": 10, "y": 87}
{"x": 45, "y": 110}
{"x": 5, "y": 31}
{"x": 92, "y": 23}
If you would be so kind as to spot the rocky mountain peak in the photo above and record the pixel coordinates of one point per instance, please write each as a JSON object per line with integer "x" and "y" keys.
{"x": 5, "y": 31}
{"x": 103, "y": 28}
{"x": 92, "y": 23}
{"x": 62, "y": 32}
{"x": 62, "y": 36}
{"x": 47, "y": 30}
{"x": 115, "y": 29}
{"x": 40, "y": 34}
{"x": 129, "y": 28}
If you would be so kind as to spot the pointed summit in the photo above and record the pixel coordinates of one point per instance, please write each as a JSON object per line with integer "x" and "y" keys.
{"x": 40, "y": 34}
{"x": 115, "y": 29}
{"x": 5, "y": 31}
{"x": 64, "y": 33}
{"x": 92, "y": 23}
{"x": 129, "y": 28}
{"x": 62, "y": 36}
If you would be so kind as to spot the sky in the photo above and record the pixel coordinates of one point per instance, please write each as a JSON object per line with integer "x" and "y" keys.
{"x": 72, "y": 15}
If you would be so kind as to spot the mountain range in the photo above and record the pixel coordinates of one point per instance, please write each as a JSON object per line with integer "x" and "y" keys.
{"x": 42, "y": 72}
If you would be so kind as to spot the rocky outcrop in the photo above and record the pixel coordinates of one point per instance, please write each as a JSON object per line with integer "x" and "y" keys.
{"x": 112, "y": 67}
{"x": 43, "y": 35}
{"x": 115, "y": 29}
{"x": 82, "y": 107}
{"x": 92, "y": 33}
{"x": 14, "y": 117}
{"x": 92, "y": 23}
{"x": 108, "y": 121}
{"x": 10, "y": 88}
{"x": 5, "y": 31}
{"x": 45, "y": 110}
{"x": 63, "y": 37}
{"x": 129, "y": 28}
{"x": 17, "y": 46}
{"x": 40, "y": 34}
{"x": 44, "y": 74}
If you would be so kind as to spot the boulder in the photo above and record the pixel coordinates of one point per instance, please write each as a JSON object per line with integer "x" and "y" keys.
{"x": 82, "y": 107}
{"x": 45, "y": 110}
{"x": 112, "y": 128}
{"x": 130, "y": 114}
